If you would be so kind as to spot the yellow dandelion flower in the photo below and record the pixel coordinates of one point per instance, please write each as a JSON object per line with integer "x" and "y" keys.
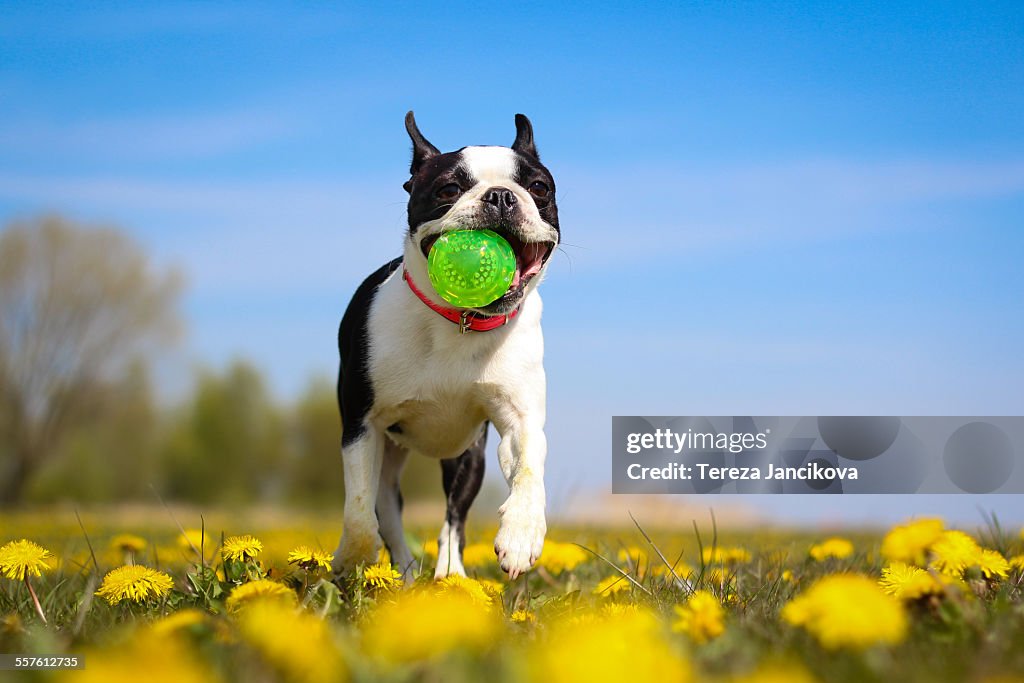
{"x": 907, "y": 582}
{"x": 297, "y": 644}
{"x": 461, "y": 585}
{"x": 847, "y": 610}
{"x": 381, "y": 577}
{"x": 21, "y": 558}
{"x": 992, "y": 564}
{"x": 734, "y": 555}
{"x": 193, "y": 538}
{"x": 430, "y": 548}
{"x": 1017, "y": 562}
{"x": 954, "y": 552}
{"x": 261, "y": 590}
{"x": 702, "y": 618}
{"x": 839, "y": 548}
{"x": 787, "y": 575}
{"x": 180, "y": 620}
{"x": 128, "y": 543}
{"x": 910, "y": 542}
{"x": 632, "y": 556}
{"x": 134, "y": 583}
{"x": 719, "y": 577}
{"x": 613, "y": 584}
{"x": 478, "y": 555}
{"x": 560, "y": 557}
{"x": 431, "y": 625}
{"x": 522, "y": 616}
{"x": 681, "y": 569}
{"x": 309, "y": 559}
{"x": 617, "y": 609}
{"x": 493, "y": 588}
{"x": 383, "y": 556}
{"x": 629, "y": 646}
{"x": 159, "y": 658}
{"x": 242, "y": 548}
{"x": 583, "y": 616}
{"x": 777, "y": 673}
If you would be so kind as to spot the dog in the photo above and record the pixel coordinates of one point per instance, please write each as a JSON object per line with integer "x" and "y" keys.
{"x": 421, "y": 377}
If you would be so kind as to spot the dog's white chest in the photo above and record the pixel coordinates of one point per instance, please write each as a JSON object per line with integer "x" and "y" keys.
{"x": 433, "y": 388}
{"x": 441, "y": 426}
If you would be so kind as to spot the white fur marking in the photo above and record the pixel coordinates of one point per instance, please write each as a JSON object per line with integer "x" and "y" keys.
{"x": 449, "y": 556}
{"x": 362, "y": 461}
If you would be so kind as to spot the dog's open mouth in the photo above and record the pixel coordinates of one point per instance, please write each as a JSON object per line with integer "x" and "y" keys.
{"x": 530, "y": 257}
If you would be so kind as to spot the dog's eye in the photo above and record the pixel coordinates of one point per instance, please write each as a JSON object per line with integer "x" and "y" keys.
{"x": 538, "y": 189}
{"x": 449, "y": 191}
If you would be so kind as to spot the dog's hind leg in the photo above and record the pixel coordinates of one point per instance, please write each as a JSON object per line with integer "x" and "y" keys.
{"x": 462, "y": 477}
{"x": 389, "y": 508}
{"x": 362, "y": 459}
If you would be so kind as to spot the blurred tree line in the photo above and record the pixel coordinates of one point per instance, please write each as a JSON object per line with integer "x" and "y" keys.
{"x": 82, "y": 315}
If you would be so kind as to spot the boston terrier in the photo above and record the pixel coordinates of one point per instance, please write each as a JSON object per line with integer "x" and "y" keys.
{"x": 419, "y": 376}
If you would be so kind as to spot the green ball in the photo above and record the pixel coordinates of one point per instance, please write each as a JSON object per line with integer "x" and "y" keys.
{"x": 471, "y": 268}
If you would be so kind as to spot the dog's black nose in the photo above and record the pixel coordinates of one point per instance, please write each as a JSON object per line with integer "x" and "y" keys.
{"x": 501, "y": 197}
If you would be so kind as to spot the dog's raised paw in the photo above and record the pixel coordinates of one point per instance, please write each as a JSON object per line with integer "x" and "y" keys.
{"x": 520, "y": 540}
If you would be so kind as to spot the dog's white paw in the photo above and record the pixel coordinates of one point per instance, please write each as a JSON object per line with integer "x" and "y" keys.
{"x": 520, "y": 537}
{"x": 443, "y": 571}
{"x": 354, "y": 549}
{"x": 449, "y": 554}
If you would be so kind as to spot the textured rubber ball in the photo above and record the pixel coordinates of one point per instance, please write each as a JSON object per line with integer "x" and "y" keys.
{"x": 471, "y": 268}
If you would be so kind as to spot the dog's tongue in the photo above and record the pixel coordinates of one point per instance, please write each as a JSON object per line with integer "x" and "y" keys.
{"x": 529, "y": 260}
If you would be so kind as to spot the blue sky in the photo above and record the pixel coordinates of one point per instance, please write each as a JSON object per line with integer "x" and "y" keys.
{"x": 801, "y": 208}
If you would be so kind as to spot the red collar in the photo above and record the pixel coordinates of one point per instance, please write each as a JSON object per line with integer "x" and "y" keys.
{"x": 466, "y": 320}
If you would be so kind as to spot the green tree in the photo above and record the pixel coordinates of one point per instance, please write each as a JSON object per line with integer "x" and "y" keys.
{"x": 78, "y": 306}
{"x": 315, "y": 471}
{"x": 229, "y": 442}
{"x": 111, "y": 459}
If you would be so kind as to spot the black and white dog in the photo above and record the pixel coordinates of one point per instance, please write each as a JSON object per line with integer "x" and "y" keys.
{"x": 418, "y": 376}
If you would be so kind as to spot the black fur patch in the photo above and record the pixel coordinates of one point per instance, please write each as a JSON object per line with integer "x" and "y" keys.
{"x": 462, "y": 477}
{"x": 355, "y": 392}
{"x": 432, "y": 175}
{"x": 529, "y": 169}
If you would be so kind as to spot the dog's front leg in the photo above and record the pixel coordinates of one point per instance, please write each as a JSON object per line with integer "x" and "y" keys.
{"x": 362, "y": 461}
{"x": 521, "y": 455}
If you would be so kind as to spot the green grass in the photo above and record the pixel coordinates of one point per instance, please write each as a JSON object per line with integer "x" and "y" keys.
{"x": 973, "y": 634}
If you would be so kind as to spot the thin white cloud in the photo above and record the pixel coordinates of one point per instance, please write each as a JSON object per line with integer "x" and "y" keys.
{"x": 240, "y": 199}
{"x": 308, "y": 233}
{"x": 239, "y": 236}
{"x": 181, "y": 136}
{"x": 633, "y": 214}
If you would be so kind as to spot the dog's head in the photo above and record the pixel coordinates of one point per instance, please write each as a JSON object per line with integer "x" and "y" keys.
{"x": 504, "y": 189}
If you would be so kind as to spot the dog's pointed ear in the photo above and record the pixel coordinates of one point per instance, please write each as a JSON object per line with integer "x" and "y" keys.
{"x": 421, "y": 147}
{"x": 524, "y": 137}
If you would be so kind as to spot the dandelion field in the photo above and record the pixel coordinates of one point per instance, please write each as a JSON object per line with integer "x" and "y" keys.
{"x": 249, "y": 597}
